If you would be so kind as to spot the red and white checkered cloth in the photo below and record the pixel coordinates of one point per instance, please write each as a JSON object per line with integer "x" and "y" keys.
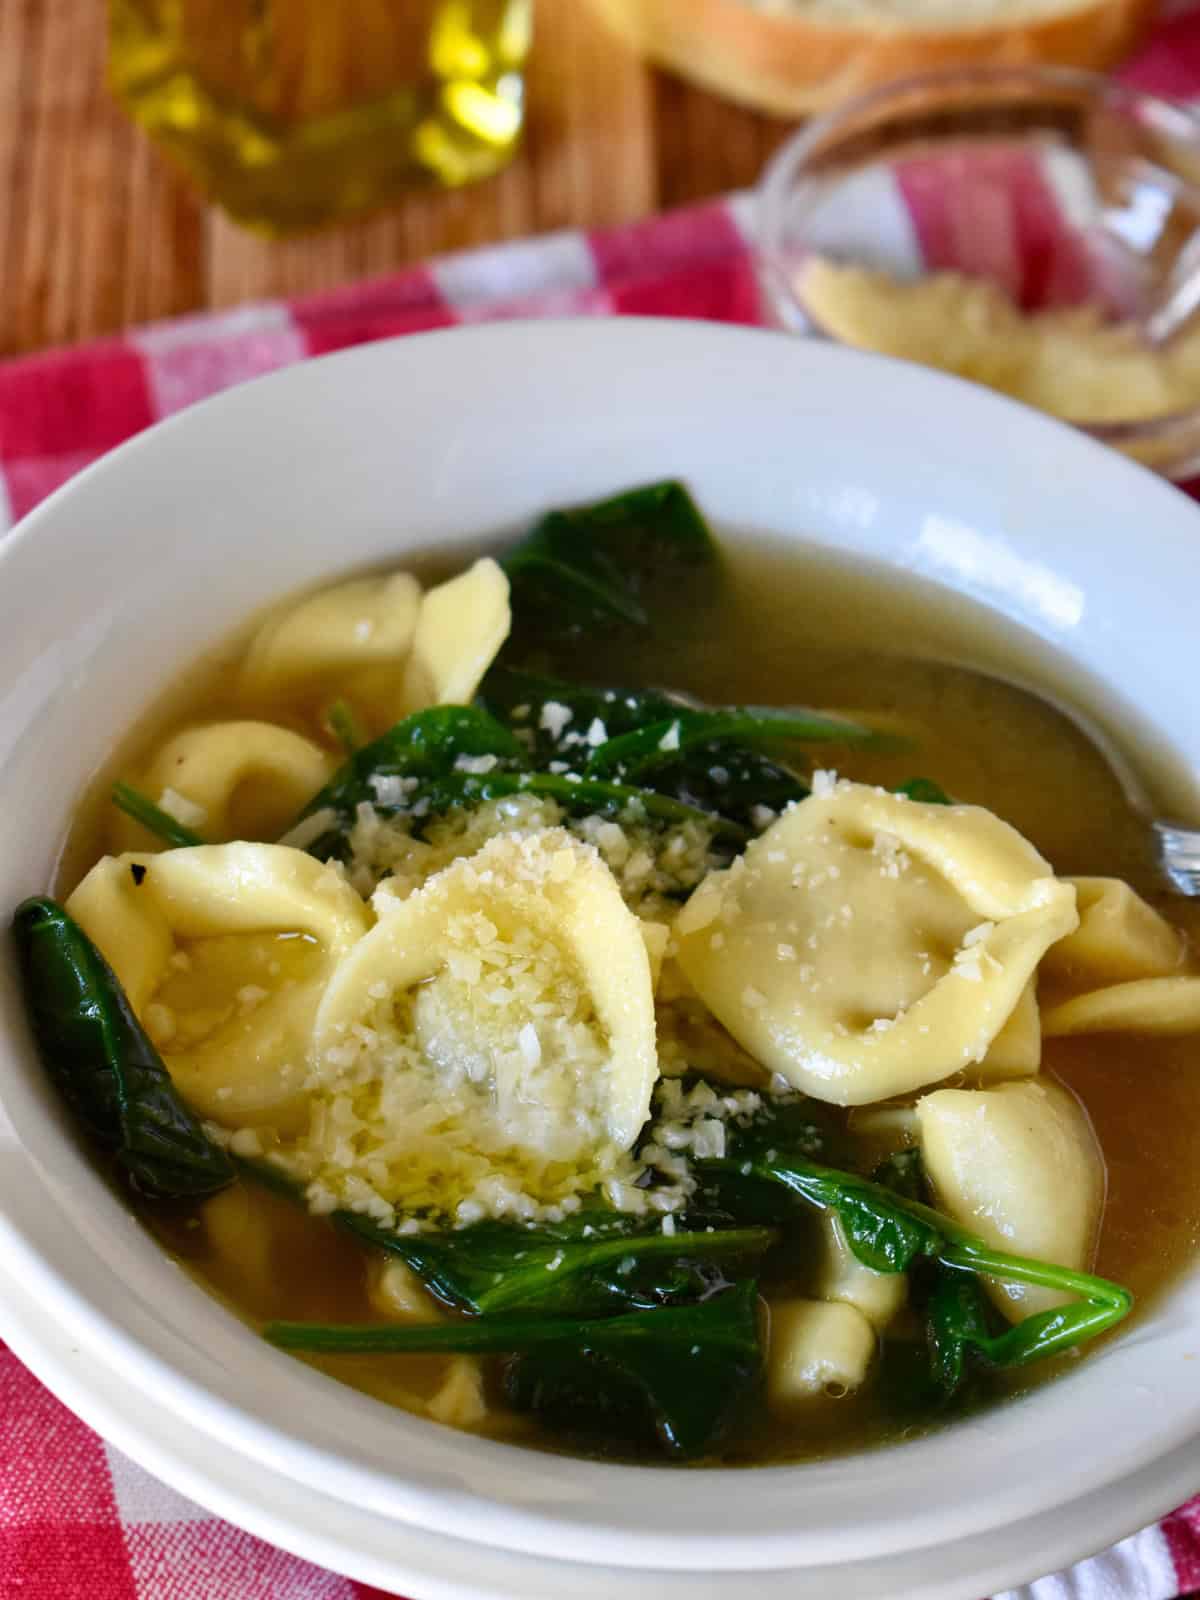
{"x": 78, "y": 1520}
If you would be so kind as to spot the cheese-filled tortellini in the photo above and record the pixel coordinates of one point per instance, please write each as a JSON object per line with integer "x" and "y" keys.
{"x": 460, "y": 1401}
{"x": 224, "y": 952}
{"x": 844, "y": 1278}
{"x": 817, "y": 1347}
{"x": 1016, "y": 1051}
{"x": 494, "y": 1033}
{"x": 240, "y": 1234}
{"x": 1147, "y": 1005}
{"x": 230, "y": 780}
{"x": 1018, "y": 1165}
{"x": 1120, "y": 938}
{"x": 460, "y": 628}
{"x": 1126, "y": 959}
{"x": 349, "y": 641}
{"x": 397, "y": 1293}
{"x": 867, "y": 945}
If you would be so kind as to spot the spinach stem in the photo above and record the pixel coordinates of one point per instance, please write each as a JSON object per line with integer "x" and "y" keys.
{"x": 345, "y": 727}
{"x": 136, "y": 805}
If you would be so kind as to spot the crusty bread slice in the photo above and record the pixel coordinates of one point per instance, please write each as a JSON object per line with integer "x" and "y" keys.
{"x": 793, "y": 57}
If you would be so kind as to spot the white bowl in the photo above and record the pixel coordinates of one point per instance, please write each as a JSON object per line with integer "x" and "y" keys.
{"x": 126, "y": 574}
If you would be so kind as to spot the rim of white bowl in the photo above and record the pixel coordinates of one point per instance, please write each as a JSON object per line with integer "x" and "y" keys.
{"x": 618, "y": 1518}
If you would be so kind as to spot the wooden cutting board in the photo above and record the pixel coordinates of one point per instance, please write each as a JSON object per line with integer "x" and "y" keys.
{"x": 98, "y": 232}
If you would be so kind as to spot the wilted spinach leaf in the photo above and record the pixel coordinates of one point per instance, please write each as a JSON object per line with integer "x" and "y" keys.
{"x": 925, "y": 791}
{"x": 460, "y": 756}
{"x": 720, "y": 778}
{"x": 595, "y": 1261}
{"x": 903, "y": 1172}
{"x": 413, "y": 767}
{"x": 890, "y": 1233}
{"x": 100, "y": 1057}
{"x": 679, "y": 1373}
{"x": 505, "y": 691}
{"x": 588, "y": 566}
{"x": 666, "y": 744}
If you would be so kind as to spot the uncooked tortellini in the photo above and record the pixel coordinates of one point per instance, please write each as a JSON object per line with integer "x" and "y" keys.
{"x": 1018, "y": 1165}
{"x": 867, "y": 945}
{"x": 223, "y": 951}
{"x": 495, "y": 1026}
{"x": 230, "y": 780}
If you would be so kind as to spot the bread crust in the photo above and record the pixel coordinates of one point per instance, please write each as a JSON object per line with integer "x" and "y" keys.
{"x": 792, "y": 65}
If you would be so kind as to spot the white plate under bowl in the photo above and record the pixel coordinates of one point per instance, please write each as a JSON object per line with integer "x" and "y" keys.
{"x": 125, "y": 575}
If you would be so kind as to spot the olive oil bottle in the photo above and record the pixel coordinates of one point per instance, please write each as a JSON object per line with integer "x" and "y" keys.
{"x": 293, "y": 113}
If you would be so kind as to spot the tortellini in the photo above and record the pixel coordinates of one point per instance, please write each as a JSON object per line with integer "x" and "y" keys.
{"x": 1018, "y": 1165}
{"x": 244, "y": 780}
{"x": 497, "y": 1025}
{"x": 1148, "y": 1005}
{"x": 1119, "y": 939}
{"x": 382, "y": 645}
{"x": 396, "y": 1292}
{"x": 350, "y": 640}
{"x": 817, "y": 1348}
{"x": 460, "y": 628}
{"x": 224, "y": 951}
{"x": 1016, "y": 1051}
{"x": 844, "y": 1278}
{"x": 460, "y": 1400}
{"x": 867, "y": 945}
{"x": 239, "y": 1233}
{"x": 1127, "y": 959}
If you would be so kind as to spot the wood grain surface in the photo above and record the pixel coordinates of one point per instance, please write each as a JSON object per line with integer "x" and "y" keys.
{"x": 97, "y": 231}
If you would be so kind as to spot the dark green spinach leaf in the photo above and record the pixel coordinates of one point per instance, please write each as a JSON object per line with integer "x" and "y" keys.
{"x": 98, "y": 1054}
{"x": 460, "y": 756}
{"x": 594, "y": 1262}
{"x": 587, "y": 567}
{"x": 520, "y": 700}
{"x": 663, "y": 745}
{"x": 718, "y": 778}
{"x": 903, "y": 1172}
{"x": 958, "y": 1319}
{"x": 414, "y": 768}
{"x": 925, "y": 791}
{"x": 890, "y": 1233}
{"x": 683, "y": 1373}
{"x": 583, "y": 796}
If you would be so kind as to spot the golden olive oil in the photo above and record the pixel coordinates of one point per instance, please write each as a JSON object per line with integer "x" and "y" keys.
{"x": 292, "y": 113}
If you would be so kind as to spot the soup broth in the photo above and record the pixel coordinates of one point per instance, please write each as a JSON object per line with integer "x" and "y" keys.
{"x": 780, "y": 627}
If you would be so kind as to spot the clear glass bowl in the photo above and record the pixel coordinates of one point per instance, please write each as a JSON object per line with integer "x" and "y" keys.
{"x": 1063, "y": 188}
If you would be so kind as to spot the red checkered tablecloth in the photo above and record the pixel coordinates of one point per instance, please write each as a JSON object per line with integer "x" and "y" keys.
{"x": 79, "y": 1520}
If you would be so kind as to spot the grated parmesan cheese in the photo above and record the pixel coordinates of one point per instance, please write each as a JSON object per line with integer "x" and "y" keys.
{"x": 186, "y": 812}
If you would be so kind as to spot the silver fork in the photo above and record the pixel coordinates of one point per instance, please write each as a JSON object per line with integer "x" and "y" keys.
{"x": 1179, "y": 856}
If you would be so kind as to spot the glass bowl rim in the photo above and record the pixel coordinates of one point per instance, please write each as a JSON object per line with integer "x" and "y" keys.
{"x": 770, "y": 195}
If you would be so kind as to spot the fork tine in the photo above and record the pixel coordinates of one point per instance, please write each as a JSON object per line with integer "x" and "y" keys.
{"x": 1179, "y": 857}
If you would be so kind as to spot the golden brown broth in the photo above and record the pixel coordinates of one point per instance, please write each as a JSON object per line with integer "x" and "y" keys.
{"x": 790, "y": 628}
